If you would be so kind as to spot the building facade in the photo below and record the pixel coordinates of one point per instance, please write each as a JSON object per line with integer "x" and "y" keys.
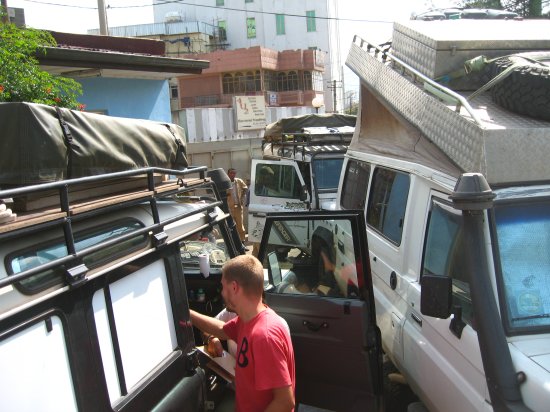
{"x": 284, "y": 78}
{"x": 275, "y": 24}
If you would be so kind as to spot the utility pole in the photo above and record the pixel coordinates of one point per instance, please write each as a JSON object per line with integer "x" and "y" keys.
{"x": 334, "y": 85}
{"x": 4, "y": 10}
{"x": 103, "y": 26}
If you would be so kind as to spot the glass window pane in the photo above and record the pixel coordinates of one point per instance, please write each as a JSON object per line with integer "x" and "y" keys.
{"x": 310, "y": 20}
{"x": 40, "y": 254}
{"x": 387, "y": 203}
{"x": 251, "y": 28}
{"x": 327, "y": 173}
{"x": 523, "y": 242}
{"x": 280, "y": 23}
{"x": 444, "y": 254}
{"x": 208, "y": 242}
{"x": 356, "y": 181}
{"x": 301, "y": 261}
{"x": 277, "y": 181}
{"x": 219, "y": 2}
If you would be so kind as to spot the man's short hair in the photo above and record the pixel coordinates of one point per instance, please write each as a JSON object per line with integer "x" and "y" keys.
{"x": 247, "y": 271}
{"x": 231, "y": 169}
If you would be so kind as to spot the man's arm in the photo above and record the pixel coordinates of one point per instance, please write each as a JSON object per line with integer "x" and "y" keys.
{"x": 283, "y": 400}
{"x": 209, "y": 325}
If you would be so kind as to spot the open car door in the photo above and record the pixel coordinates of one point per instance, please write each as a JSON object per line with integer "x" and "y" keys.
{"x": 322, "y": 286}
{"x": 276, "y": 186}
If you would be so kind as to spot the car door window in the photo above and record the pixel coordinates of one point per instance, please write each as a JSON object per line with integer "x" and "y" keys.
{"x": 444, "y": 253}
{"x": 322, "y": 261}
{"x": 356, "y": 181}
{"x": 273, "y": 180}
{"x": 387, "y": 203}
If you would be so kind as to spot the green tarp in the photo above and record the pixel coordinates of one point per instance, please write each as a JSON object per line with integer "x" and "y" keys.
{"x": 35, "y": 148}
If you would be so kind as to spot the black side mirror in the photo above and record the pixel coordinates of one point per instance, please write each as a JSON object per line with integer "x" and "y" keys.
{"x": 303, "y": 193}
{"x": 436, "y": 296}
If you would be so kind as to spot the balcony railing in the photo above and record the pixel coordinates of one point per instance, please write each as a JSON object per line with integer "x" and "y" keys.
{"x": 288, "y": 98}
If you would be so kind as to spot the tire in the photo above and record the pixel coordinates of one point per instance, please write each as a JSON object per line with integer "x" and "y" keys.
{"x": 397, "y": 396}
{"x": 526, "y": 90}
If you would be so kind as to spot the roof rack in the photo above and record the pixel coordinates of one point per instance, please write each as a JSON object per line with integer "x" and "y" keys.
{"x": 291, "y": 144}
{"x": 67, "y": 212}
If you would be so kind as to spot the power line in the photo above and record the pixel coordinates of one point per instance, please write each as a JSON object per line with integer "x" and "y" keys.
{"x": 183, "y": 3}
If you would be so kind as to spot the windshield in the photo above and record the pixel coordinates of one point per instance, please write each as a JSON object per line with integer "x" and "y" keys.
{"x": 523, "y": 232}
{"x": 327, "y": 172}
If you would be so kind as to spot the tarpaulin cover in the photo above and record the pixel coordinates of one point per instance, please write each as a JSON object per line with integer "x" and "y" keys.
{"x": 35, "y": 148}
{"x": 274, "y": 131}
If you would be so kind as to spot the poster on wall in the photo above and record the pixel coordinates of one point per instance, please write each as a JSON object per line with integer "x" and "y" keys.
{"x": 249, "y": 112}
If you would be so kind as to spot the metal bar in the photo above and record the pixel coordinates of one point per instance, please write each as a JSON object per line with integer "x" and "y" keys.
{"x": 413, "y": 72}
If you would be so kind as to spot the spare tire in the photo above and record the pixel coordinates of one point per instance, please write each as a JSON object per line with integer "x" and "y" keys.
{"x": 527, "y": 89}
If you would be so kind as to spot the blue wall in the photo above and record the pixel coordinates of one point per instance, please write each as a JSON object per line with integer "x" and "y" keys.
{"x": 135, "y": 98}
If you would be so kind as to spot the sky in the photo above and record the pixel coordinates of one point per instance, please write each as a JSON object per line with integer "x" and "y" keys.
{"x": 371, "y": 19}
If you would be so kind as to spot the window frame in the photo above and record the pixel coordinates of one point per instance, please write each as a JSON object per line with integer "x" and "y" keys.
{"x": 310, "y": 21}
{"x": 457, "y": 242}
{"x": 380, "y": 225}
{"x": 250, "y": 27}
{"x": 356, "y": 183}
{"x": 280, "y": 24}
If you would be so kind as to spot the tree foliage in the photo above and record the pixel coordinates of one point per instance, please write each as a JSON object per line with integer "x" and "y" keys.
{"x": 22, "y": 80}
{"x": 525, "y": 8}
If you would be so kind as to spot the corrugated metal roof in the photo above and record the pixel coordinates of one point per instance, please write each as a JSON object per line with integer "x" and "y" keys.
{"x": 155, "y": 29}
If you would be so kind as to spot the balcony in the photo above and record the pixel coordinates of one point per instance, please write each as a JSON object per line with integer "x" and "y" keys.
{"x": 288, "y": 98}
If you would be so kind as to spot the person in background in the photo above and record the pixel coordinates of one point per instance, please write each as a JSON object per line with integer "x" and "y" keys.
{"x": 264, "y": 373}
{"x": 236, "y": 197}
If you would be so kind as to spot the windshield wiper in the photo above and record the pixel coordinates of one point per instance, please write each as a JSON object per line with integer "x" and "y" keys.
{"x": 542, "y": 315}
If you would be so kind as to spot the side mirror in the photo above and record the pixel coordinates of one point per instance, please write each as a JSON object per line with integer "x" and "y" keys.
{"x": 436, "y": 296}
{"x": 303, "y": 193}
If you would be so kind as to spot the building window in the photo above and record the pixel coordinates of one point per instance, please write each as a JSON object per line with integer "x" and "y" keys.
{"x": 317, "y": 80}
{"x": 219, "y": 2}
{"x": 270, "y": 81}
{"x": 174, "y": 92}
{"x": 227, "y": 84}
{"x": 222, "y": 30}
{"x": 292, "y": 79}
{"x": 251, "y": 28}
{"x": 282, "y": 83}
{"x": 249, "y": 1}
{"x": 280, "y": 23}
{"x": 310, "y": 20}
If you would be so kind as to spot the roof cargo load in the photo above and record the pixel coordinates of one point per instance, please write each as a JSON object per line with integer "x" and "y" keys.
{"x": 438, "y": 48}
{"x": 405, "y": 114}
{"x": 44, "y": 144}
{"x": 300, "y": 124}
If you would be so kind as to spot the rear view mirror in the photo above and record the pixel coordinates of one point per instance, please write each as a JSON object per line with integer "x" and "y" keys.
{"x": 436, "y": 296}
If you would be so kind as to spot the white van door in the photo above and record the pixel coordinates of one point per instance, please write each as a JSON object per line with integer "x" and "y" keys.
{"x": 275, "y": 186}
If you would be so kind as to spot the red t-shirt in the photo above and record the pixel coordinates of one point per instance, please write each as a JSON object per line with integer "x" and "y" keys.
{"x": 265, "y": 359}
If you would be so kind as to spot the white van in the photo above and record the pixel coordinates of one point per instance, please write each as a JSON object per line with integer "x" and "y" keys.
{"x": 456, "y": 198}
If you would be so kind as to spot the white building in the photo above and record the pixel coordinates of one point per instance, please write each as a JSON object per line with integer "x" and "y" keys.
{"x": 275, "y": 24}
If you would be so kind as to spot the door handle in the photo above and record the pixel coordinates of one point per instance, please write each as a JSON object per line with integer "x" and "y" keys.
{"x": 313, "y": 327}
{"x": 416, "y": 318}
{"x": 258, "y": 214}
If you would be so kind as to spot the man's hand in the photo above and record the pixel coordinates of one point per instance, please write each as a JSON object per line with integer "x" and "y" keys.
{"x": 214, "y": 346}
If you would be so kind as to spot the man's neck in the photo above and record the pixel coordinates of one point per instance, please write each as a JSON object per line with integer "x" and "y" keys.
{"x": 250, "y": 312}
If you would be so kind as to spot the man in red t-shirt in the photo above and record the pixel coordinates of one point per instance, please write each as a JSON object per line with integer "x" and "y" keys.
{"x": 264, "y": 373}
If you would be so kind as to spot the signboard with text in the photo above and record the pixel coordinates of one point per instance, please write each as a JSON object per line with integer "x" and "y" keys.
{"x": 249, "y": 112}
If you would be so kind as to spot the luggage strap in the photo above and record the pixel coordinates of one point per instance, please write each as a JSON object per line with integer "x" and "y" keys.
{"x": 68, "y": 139}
